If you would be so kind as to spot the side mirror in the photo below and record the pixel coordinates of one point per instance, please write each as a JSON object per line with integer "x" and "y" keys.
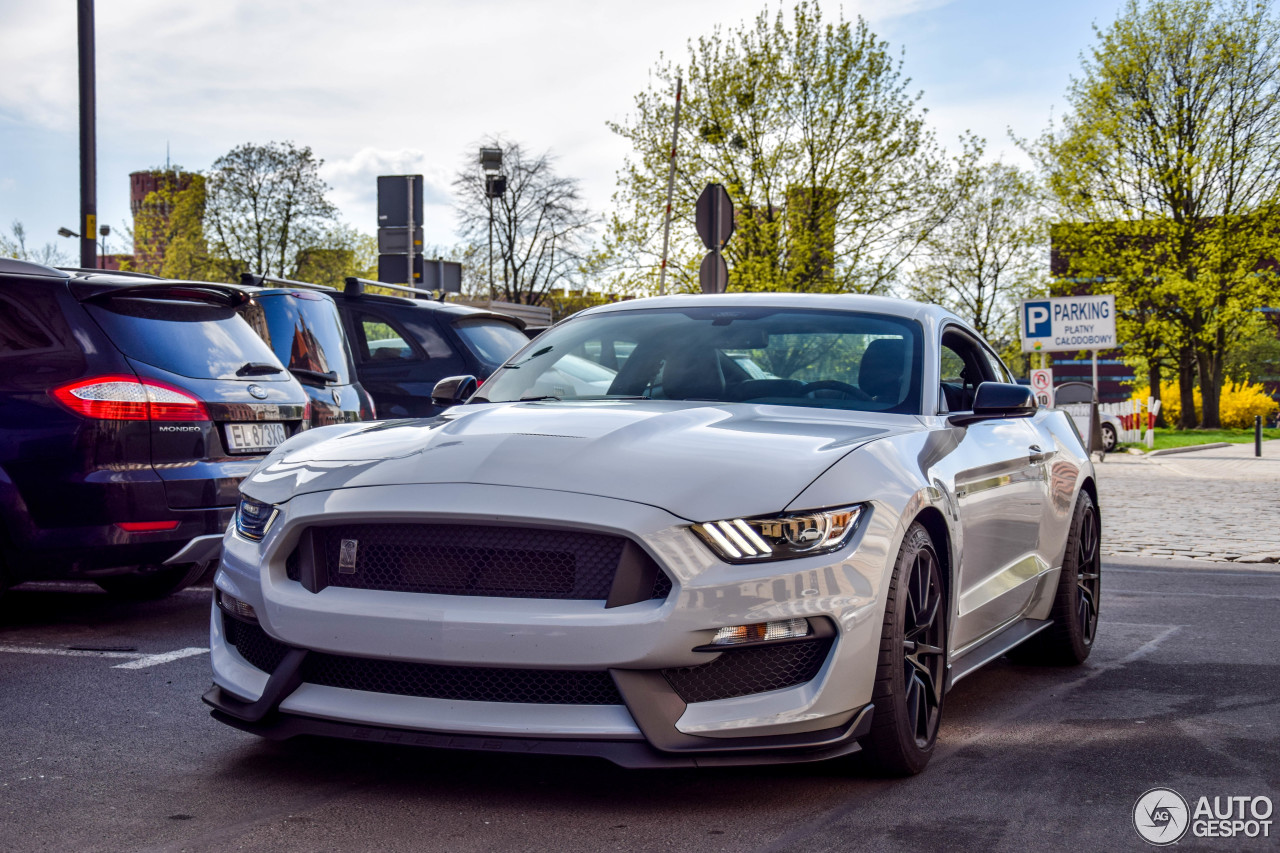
{"x": 453, "y": 390}
{"x": 998, "y": 400}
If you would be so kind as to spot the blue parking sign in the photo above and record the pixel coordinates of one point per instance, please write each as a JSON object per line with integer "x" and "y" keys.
{"x": 1037, "y": 319}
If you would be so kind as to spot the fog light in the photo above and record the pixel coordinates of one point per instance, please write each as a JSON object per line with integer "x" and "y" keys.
{"x": 236, "y": 607}
{"x": 788, "y": 629}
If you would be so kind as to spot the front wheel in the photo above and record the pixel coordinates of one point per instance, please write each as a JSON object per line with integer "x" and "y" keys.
{"x": 149, "y": 585}
{"x": 912, "y": 662}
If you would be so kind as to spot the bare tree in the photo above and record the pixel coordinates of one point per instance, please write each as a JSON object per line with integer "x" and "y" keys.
{"x": 541, "y": 228}
{"x": 265, "y": 204}
{"x": 15, "y": 246}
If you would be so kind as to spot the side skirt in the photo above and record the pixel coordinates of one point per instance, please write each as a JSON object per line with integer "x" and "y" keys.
{"x": 993, "y": 647}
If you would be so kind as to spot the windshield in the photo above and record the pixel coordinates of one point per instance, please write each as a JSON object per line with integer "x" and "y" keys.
{"x": 492, "y": 341}
{"x": 192, "y": 339}
{"x": 788, "y": 357}
{"x": 305, "y": 333}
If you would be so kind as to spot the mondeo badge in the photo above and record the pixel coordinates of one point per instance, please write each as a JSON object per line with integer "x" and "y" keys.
{"x": 347, "y": 557}
{"x": 258, "y": 391}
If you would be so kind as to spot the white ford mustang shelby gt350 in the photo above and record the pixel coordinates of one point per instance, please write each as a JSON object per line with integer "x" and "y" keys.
{"x": 690, "y": 530}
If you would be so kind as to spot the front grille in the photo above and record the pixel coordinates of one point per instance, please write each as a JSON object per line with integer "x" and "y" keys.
{"x": 742, "y": 672}
{"x": 473, "y": 560}
{"x": 471, "y": 683}
{"x": 254, "y": 644}
{"x": 431, "y": 681}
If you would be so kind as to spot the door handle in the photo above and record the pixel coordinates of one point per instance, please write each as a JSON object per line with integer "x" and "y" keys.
{"x": 1035, "y": 455}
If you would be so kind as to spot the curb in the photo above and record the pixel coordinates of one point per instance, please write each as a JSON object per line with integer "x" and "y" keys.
{"x": 1168, "y": 450}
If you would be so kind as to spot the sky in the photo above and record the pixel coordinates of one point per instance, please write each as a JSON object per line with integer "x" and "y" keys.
{"x": 411, "y": 86}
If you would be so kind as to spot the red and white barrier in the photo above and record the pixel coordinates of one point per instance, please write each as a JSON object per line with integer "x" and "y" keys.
{"x": 1136, "y": 418}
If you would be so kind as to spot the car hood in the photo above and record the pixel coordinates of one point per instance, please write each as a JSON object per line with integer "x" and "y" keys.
{"x": 699, "y": 461}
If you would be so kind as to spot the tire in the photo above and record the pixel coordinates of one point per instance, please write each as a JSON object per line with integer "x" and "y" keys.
{"x": 151, "y": 583}
{"x": 1109, "y": 438}
{"x": 1068, "y": 641}
{"x": 912, "y": 662}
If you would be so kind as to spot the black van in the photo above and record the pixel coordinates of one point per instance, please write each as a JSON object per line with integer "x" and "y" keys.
{"x": 130, "y": 409}
{"x": 303, "y": 328}
{"x": 404, "y": 345}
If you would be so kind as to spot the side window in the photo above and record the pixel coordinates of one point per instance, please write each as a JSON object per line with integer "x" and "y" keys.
{"x": 20, "y": 332}
{"x": 383, "y": 341}
{"x": 1001, "y": 372}
{"x": 965, "y": 365}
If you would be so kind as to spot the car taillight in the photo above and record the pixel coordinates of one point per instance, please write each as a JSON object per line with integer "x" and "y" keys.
{"x": 125, "y": 398}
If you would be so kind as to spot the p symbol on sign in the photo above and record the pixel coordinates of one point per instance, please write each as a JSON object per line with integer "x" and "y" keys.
{"x": 1037, "y": 320}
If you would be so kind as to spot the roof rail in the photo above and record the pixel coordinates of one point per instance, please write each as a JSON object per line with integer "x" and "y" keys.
{"x": 122, "y": 273}
{"x": 357, "y": 285}
{"x": 260, "y": 280}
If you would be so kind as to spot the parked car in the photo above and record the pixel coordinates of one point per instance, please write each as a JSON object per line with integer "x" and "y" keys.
{"x": 404, "y": 345}
{"x": 1110, "y": 431}
{"x": 692, "y": 567}
{"x": 130, "y": 409}
{"x": 303, "y": 328}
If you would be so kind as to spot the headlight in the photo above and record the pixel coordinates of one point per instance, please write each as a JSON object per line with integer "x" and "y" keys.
{"x": 253, "y": 519}
{"x": 780, "y": 537}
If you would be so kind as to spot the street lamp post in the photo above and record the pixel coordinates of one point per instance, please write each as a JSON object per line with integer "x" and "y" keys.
{"x": 495, "y": 184}
{"x": 100, "y": 262}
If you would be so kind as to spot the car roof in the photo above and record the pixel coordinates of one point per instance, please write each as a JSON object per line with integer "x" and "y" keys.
{"x": 932, "y": 315}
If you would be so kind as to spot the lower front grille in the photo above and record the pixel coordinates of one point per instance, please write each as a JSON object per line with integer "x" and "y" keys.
{"x": 471, "y": 683}
{"x": 742, "y": 672}
{"x": 429, "y": 681}
{"x": 254, "y": 644}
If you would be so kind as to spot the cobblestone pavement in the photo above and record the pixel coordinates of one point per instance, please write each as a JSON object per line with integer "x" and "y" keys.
{"x": 1219, "y": 505}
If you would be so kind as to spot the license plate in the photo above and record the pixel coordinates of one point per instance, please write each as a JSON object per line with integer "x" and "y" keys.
{"x": 252, "y": 438}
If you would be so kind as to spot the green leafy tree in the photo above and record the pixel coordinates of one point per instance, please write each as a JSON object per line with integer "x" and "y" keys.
{"x": 264, "y": 204}
{"x": 810, "y": 126}
{"x": 989, "y": 254}
{"x": 168, "y": 232}
{"x": 1170, "y": 152}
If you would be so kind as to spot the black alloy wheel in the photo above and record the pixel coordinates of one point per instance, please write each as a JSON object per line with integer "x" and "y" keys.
{"x": 912, "y": 665}
{"x": 1069, "y": 639}
{"x": 1088, "y": 573}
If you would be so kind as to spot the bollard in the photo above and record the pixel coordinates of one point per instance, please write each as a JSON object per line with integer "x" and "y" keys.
{"x": 1257, "y": 435}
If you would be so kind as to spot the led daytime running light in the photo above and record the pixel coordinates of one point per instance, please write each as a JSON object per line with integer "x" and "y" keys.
{"x": 780, "y": 537}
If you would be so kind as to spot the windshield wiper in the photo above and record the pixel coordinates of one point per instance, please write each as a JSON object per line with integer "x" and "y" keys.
{"x": 536, "y": 398}
{"x": 258, "y": 368}
{"x": 330, "y": 378}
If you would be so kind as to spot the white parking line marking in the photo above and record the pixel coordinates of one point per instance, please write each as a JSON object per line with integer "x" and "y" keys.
{"x": 156, "y": 660}
{"x": 70, "y": 653}
{"x": 136, "y": 660}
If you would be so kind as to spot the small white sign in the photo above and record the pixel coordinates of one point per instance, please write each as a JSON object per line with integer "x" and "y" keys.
{"x": 1068, "y": 323}
{"x": 1042, "y": 386}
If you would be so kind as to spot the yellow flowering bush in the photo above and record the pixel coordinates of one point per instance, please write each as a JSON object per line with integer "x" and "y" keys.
{"x": 1240, "y": 402}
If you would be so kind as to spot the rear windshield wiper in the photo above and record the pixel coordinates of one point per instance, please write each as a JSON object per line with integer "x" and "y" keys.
{"x": 258, "y": 368}
{"x": 330, "y": 378}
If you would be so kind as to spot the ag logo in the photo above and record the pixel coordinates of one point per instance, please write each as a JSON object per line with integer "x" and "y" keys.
{"x": 258, "y": 391}
{"x": 1161, "y": 816}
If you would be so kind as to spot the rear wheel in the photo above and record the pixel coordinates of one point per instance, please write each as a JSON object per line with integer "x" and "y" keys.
{"x": 912, "y": 662}
{"x": 149, "y": 584}
{"x": 1075, "y": 606}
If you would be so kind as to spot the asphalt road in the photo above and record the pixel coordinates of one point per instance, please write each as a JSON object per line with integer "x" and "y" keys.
{"x": 107, "y": 747}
